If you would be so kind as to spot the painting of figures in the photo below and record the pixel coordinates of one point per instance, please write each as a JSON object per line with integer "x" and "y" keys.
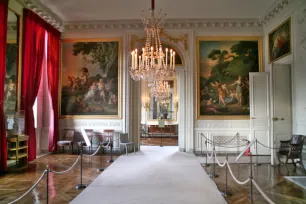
{"x": 224, "y": 64}
{"x": 280, "y": 41}
{"x": 90, "y": 78}
{"x": 10, "y": 90}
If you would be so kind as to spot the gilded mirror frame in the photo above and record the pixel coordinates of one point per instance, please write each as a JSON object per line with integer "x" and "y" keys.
{"x": 175, "y": 101}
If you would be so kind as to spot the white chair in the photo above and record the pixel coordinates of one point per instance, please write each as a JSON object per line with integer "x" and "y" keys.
{"x": 124, "y": 140}
{"x": 68, "y": 140}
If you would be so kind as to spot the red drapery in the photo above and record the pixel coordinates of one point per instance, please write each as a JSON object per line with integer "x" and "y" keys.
{"x": 33, "y": 54}
{"x": 3, "y": 37}
{"x": 53, "y": 81}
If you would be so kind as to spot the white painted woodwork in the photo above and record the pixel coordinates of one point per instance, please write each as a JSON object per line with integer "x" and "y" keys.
{"x": 92, "y": 10}
{"x": 260, "y": 111}
{"x": 281, "y": 123}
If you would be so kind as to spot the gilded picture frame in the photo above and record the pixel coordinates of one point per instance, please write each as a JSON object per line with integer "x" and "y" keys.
{"x": 280, "y": 42}
{"x": 12, "y": 92}
{"x": 91, "y": 78}
{"x": 223, "y": 66}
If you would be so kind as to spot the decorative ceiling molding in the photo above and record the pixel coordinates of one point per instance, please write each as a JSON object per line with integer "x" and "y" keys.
{"x": 172, "y": 24}
{"x": 45, "y": 14}
{"x": 273, "y": 11}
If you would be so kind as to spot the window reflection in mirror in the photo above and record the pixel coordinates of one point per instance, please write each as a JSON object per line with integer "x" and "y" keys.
{"x": 165, "y": 109}
{"x": 12, "y": 64}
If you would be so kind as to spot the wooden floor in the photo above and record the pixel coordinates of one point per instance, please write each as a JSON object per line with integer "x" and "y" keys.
{"x": 157, "y": 141}
{"x": 62, "y": 188}
{"x": 270, "y": 179}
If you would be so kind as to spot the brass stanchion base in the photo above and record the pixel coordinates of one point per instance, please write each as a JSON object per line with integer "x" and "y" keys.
{"x": 205, "y": 165}
{"x": 81, "y": 186}
{"x": 226, "y": 194}
{"x": 213, "y": 175}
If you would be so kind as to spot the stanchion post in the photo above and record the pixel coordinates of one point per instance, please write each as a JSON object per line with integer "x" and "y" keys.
{"x": 101, "y": 168}
{"x": 206, "y": 165}
{"x": 226, "y": 193}
{"x": 214, "y": 175}
{"x": 81, "y": 185}
{"x": 256, "y": 144}
{"x": 201, "y": 144}
{"x": 47, "y": 185}
{"x": 161, "y": 137}
{"x": 111, "y": 152}
{"x": 251, "y": 178}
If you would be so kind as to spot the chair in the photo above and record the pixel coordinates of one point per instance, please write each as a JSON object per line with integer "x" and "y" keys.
{"x": 124, "y": 140}
{"x": 291, "y": 149}
{"x": 68, "y": 140}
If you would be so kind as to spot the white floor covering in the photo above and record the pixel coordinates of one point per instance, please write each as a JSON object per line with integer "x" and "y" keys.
{"x": 155, "y": 175}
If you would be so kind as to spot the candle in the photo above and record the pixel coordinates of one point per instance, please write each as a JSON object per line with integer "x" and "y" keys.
{"x": 136, "y": 56}
{"x": 166, "y": 57}
{"x": 132, "y": 59}
{"x": 173, "y": 60}
{"x": 170, "y": 59}
{"x": 139, "y": 62}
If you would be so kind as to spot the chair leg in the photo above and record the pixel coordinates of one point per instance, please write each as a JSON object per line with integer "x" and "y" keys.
{"x": 134, "y": 149}
{"x": 126, "y": 150}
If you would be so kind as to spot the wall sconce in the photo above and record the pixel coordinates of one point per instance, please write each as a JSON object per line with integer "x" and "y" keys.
{"x": 176, "y": 105}
{"x": 146, "y": 104}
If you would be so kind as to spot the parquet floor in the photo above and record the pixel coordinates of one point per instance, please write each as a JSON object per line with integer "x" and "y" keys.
{"x": 269, "y": 178}
{"x": 157, "y": 141}
{"x": 62, "y": 188}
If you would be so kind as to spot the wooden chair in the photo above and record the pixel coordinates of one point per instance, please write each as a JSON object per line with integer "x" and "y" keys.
{"x": 291, "y": 149}
{"x": 68, "y": 140}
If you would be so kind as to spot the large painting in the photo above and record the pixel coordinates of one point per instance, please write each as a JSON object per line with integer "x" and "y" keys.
{"x": 224, "y": 64}
{"x": 280, "y": 41}
{"x": 91, "y": 78}
{"x": 10, "y": 88}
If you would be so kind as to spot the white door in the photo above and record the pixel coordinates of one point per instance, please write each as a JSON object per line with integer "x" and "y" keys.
{"x": 260, "y": 111}
{"x": 281, "y": 128}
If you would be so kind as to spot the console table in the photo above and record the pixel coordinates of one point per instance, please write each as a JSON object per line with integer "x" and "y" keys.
{"x": 17, "y": 147}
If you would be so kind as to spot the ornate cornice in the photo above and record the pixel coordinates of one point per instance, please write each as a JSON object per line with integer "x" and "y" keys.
{"x": 273, "y": 11}
{"x": 170, "y": 24}
{"x": 45, "y": 13}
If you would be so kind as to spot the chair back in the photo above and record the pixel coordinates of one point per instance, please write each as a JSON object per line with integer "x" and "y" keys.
{"x": 69, "y": 135}
{"x": 124, "y": 137}
{"x": 109, "y": 132}
{"x": 297, "y": 139}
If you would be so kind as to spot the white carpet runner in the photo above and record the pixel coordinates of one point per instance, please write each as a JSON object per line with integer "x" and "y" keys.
{"x": 155, "y": 175}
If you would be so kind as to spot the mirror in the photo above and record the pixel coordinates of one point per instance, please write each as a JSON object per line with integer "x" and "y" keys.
{"x": 164, "y": 110}
{"x": 12, "y": 68}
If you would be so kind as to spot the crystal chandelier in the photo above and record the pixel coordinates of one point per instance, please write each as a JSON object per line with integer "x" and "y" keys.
{"x": 152, "y": 63}
{"x": 161, "y": 91}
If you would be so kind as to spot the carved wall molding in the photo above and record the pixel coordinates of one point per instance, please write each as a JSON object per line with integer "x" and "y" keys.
{"x": 243, "y": 124}
{"x": 45, "y": 14}
{"x": 91, "y": 124}
{"x": 302, "y": 16}
{"x": 279, "y": 6}
{"x": 170, "y": 24}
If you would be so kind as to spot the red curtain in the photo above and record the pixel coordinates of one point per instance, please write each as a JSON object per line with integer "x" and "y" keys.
{"x": 53, "y": 81}
{"x": 33, "y": 54}
{"x": 3, "y": 37}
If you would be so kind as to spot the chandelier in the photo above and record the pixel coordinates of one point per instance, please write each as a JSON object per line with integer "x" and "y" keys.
{"x": 152, "y": 63}
{"x": 161, "y": 91}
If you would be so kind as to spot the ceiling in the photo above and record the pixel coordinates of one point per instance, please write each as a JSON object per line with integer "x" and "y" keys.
{"x": 99, "y": 10}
